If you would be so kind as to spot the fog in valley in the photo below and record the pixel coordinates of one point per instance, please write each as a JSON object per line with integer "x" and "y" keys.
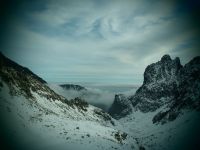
{"x": 101, "y": 96}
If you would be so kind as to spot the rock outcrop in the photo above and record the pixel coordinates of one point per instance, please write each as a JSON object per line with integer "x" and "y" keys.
{"x": 120, "y": 107}
{"x": 159, "y": 86}
{"x": 73, "y": 87}
{"x": 166, "y": 84}
{"x": 22, "y": 81}
{"x": 187, "y": 95}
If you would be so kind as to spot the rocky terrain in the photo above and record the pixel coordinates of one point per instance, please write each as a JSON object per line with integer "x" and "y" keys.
{"x": 166, "y": 84}
{"x": 120, "y": 107}
{"x": 164, "y": 111}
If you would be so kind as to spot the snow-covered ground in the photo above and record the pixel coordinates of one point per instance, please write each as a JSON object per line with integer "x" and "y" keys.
{"x": 181, "y": 133}
{"x": 40, "y": 123}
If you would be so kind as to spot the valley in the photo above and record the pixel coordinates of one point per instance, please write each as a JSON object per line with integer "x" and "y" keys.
{"x": 160, "y": 115}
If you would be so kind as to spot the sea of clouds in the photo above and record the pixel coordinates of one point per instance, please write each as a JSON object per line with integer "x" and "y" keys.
{"x": 101, "y": 96}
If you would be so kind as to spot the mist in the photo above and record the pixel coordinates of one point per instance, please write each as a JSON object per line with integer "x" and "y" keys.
{"x": 101, "y": 96}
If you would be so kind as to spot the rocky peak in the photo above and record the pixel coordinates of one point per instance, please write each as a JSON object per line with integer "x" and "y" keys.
{"x": 166, "y": 58}
{"x": 159, "y": 88}
{"x": 166, "y": 83}
{"x": 194, "y": 61}
{"x": 189, "y": 84}
{"x": 165, "y": 69}
{"x": 187, "y": 95}
{"x": 180, "y": 90}
{"x": 161, "y": 80}
{"x": 177, "y": 61}
{"x": 120, "y": 107}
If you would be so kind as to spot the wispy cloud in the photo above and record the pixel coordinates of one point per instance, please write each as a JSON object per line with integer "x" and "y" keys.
{"x": 101, "y": 39}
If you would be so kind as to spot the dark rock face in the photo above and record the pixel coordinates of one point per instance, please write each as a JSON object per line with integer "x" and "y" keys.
{"x": 159, "y": 86}
{"x": 120, "y": 107}
{"x": 6, "y": 62}
{"x": 73, "y": 87}
{"x": 189, "y": 84}
{"x": 165, "y": 69}
{"x": 187, "y": 96}
{"x": 166, "y": 83}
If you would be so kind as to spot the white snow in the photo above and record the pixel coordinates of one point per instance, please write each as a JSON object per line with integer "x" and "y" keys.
{"x": 171, "y": 135}
{"x": 40, "y": 123}
{"x": 46, "y": 124}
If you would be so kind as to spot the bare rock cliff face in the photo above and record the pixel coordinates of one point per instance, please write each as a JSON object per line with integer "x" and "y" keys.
{"x": 120, "y": 107}
{"x": 166, "y": 84}
{"x": 159, "y": 86}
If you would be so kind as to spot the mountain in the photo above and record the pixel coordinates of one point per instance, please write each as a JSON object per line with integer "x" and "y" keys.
{"x": 5, "y": 62}
{"x": 162, "y": 115}
{"x": 33, "y": 116}
{"x": 120, "y": 107}
{"x": 166, "y": 84}
{"x": 164, "y": 112}
{"x": 159, "y": 85}
{"x": 73, "y": 87}
{"x": 187, "y": 95}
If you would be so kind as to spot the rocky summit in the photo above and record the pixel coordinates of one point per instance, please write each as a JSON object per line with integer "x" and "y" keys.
{"x": 159, "y": 86}
{"x": 166, "y": 84}
{"x": 187, "y": 95}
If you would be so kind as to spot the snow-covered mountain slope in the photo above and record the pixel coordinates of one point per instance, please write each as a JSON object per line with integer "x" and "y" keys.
{"x": 32, "y": 116}
{"x": 180, "y": 134}
{"x": 56, "y": 124}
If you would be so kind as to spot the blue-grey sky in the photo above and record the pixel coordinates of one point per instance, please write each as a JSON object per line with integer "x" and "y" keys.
{"x": 103, "y": 41}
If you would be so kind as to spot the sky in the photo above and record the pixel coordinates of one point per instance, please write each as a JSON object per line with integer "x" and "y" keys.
{"x": 98, "y": 41}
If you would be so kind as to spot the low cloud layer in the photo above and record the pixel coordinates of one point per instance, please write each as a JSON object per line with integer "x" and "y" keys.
{"x": 99, "y": 96}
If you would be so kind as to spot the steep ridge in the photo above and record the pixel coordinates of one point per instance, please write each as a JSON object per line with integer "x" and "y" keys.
{"x": 22, "y": 81}
{"x": 159, "y": 86}
{"x": 189, "y": 86}
{"x": 164, "y": 112}
{"x": 30, "y": 112}
{"x": 5, "y": 62}
{"x": 187, "y": 95}
{"x": 120, "y": 107}
{"x": 166, "y": 84}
